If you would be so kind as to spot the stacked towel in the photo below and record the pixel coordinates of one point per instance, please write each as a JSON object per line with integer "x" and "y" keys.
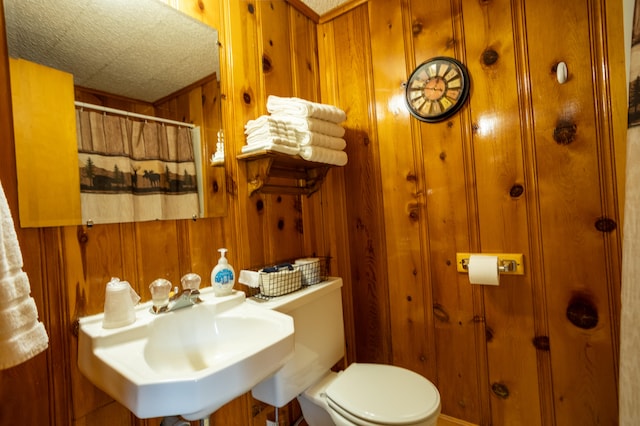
{"x": 297, "y": 107}
{"x": 299, "y": 127}
{"x": 22, "y": 336}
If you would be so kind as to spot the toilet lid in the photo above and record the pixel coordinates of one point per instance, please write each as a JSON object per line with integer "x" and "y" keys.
{"x": 383, "y": 394}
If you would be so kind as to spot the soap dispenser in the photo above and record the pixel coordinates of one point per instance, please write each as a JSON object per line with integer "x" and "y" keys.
{"x": 222, "y": 275}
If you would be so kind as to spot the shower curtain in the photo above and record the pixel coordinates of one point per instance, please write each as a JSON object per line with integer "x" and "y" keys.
{"x": 136, "y": 170}
{"x": 630, "y": 294}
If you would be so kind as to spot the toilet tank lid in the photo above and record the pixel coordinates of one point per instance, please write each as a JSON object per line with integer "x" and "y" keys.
{"x": 384, "y": 394}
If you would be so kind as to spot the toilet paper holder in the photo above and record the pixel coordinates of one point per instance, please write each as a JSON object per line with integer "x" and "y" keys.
{"x": 508, "y": 263}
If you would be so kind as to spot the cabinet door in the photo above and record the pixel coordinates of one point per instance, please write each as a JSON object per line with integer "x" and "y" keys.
{"x": 46, "y": 148}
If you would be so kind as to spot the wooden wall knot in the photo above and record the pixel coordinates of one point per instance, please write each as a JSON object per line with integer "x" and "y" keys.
{"x": 251, "y": 8}
{"x": 541, "y": 343}
{"x": 488, "y": 332}
{"x": 82, "y": 235}
{"x": 440, "y": 313}
{"x": 565, "y": 133}
{"x": 232, "y": 186}
{"x": 582, "y": 313}
{"x": 416, "y": 27}
{"x": 413, "y": 211}
{"x": 267, "y": 65}
{"x": 490, "y": 57}
{"x": 500, "y": 390}
{"x": 516, "y": 190}
{"x": 604, "y": 224}
{"x": 246, "y": 97}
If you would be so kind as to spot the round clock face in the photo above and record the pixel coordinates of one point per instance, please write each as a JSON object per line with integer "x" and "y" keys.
{"x": 436, "y": 89}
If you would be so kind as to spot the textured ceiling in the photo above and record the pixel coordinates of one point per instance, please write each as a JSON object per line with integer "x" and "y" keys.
{"x": 323, "y": 6}
{"x": 139, "y": 49}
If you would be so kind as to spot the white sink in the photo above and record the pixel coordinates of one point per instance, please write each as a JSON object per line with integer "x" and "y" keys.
{"x": 189, "y": 362}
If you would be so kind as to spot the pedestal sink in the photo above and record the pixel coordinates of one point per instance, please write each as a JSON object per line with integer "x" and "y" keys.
{"x": 189, "y": 362}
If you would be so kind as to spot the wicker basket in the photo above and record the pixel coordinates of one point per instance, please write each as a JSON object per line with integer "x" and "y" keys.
{"x": 285, "y": 281}
{"x": 289, "y": 276}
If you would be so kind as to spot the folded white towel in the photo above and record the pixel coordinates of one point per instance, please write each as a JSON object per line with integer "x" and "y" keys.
{"x": 319, "y": 154}
{"x": 285, "y": 136}
{"x": 268, "y": 139}
{"x": 21, "y": 335}
{"x": 305, "y": 138}
{"x": 272, "y": 140}
{"x": 249, "y": 278}
{"x": 275, "y": 147}
{"x": 311, "y": 125}
{"x": 264, "y": 121}
{"x": 304, "y": 108}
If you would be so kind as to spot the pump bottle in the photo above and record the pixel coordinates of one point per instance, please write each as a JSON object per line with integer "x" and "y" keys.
{"x": 222, "y": 276}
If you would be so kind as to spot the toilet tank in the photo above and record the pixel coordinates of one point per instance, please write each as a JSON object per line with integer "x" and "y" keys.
{"x": 318, "y": 335}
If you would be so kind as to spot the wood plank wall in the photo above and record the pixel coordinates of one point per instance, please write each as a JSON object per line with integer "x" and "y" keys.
{"x": 540, "y": 349}
{"x": 70, "y": 266}
{"x": 392, "y": 220}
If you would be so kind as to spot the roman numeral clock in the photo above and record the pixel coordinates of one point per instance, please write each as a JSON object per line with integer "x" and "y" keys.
{"x": 437, "y": 88}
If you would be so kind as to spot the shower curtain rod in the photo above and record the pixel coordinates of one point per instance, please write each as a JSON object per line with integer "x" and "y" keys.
{"x": 133, "y": 114}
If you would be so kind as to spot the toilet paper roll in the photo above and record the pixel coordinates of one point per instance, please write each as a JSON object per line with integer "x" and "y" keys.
{"x": 483, "y": 270}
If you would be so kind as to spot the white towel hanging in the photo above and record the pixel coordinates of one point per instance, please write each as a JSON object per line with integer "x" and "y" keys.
{"x": 22, "y": 336}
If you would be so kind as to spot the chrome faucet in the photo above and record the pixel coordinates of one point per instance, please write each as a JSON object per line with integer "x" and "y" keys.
{"x": 189, "y": 296}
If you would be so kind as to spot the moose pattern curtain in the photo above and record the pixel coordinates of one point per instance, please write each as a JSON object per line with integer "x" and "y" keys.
{"x": 135, "y": 170}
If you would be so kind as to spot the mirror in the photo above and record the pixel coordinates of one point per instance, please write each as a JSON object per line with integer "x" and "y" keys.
{"x": 142, "y": 50}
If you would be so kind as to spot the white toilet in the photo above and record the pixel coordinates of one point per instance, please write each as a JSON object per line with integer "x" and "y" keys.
{"x": 362, "y": 394}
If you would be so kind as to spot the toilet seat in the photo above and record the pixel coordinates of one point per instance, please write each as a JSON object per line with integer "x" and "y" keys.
{"x": 376, "y": 394}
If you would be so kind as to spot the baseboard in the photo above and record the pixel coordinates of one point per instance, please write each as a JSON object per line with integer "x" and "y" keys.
{"x": 445, "y": 420}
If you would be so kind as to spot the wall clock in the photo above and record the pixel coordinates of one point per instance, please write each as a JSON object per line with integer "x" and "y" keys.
{"x": 437, "y": 88}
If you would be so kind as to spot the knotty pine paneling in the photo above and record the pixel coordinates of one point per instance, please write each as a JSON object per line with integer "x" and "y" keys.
{"x": 363, "y": 216}
{"x": 281, "y": 213}
{"x": 492, "y": 179}
{"x": 443, "y": 152}
{"x": 402, "y": 185}
{"x": 331, "y": 221}
{"x": 421, "y": 189}
{"x": 572, "y": 199}
{"x": 502, "y": 224}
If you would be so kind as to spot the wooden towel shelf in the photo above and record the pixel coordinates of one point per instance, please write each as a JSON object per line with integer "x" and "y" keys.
{"x": 276, "y": 173}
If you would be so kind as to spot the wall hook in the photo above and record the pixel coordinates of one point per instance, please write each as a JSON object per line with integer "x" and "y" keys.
{"x": 562, "y": 73}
